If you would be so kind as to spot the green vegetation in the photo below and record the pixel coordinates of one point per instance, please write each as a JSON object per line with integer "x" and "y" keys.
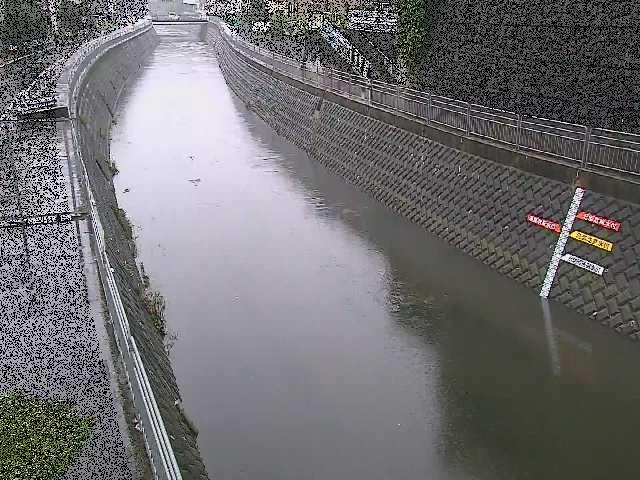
{"x": 414, "y": 21}
{"x": 233, "y": 20}
{"x": 124, "y": 222}
{"x": 127, "y": 226}
{"x": 154, "y": 304}
{"x": 24, "y": 21}
{"x": 73, "y": 16}
{"x": 283, "y": 24}
{"x": 279, "y": 24}
{"x": 339, "y": 20}
{"x": 256, "y": 11}
{"x": 114, "y": 168}
{"x": 38, "y": 438}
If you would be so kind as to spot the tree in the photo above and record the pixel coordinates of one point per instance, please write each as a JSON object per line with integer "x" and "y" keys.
{"x": 257, "y": 11}
{"x": 73, "y": 16}
{"x": 279, "y": 24}
{"x": 24, "y": 21}
{"x": 414, "y": 20}
{"x": 300, "y": 25}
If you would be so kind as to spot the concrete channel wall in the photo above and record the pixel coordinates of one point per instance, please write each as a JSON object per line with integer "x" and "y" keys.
{"x": 481, "y": 204}
{"x": 90, "y": 87}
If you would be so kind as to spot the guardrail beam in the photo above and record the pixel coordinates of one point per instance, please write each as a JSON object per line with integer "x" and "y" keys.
{"x": 617, "y": 151}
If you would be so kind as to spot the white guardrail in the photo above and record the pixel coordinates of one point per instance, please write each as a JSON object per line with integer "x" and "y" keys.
{"x": 90, "y": 52}
{"x": 156, "y": 439}
{"x": 584, "y": 146}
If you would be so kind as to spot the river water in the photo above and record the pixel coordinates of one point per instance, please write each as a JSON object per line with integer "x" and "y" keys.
{"x": 319, "y": 336}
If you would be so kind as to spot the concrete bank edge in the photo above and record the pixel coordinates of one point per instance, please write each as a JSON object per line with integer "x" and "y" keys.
{"x": 476, "y": 204}
{"x": 104, "y": 308}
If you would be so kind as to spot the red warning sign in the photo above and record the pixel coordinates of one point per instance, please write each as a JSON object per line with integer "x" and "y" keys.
{"x": 600, "y": 221}
{"x": 544, "y": 223}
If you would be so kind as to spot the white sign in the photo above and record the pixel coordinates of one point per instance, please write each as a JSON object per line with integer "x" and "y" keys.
{"x": 582, "y": 263}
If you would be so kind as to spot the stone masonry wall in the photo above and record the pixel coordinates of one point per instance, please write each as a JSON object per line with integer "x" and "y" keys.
{"x": 565, "y": 60}
{"x": 95, "y": 108}
{"x": 476, "y": 204}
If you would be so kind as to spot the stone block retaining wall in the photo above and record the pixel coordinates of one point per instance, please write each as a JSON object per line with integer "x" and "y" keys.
{"x": 95, "y": 110}
{"x": 479, "y": 205}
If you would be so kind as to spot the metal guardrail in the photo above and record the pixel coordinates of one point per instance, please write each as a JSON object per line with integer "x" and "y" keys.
{"x": 156, "y": 439}
{"x": 86, "y": 55}
{"x": 583, "y": 146}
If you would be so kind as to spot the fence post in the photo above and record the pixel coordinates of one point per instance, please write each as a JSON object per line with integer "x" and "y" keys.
{"x": 397, "y": 98}
{"x": 429, "y": 109}
{"x": 273, "y": 62}
{"x": 369, "y": 85}
{"x": 585, "y": 149}
{"x": 350, "y": 76}
{"x": 468, "y": 129}
{"x": 518, "y": 132}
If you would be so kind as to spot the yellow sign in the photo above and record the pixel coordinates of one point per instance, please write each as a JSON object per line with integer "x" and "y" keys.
{"x": 591, "y": 240}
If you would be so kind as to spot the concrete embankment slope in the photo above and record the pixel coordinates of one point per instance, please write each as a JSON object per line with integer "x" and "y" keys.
{"x": 93, "y": 95}
{"x": 478, "y": 203}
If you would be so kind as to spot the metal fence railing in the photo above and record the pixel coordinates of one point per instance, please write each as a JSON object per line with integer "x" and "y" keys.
{"x": 157, "y": 444}
{"x": 585, "y": 146}
{"x": 163, "y": 461}
{"x": 90, "y": 52}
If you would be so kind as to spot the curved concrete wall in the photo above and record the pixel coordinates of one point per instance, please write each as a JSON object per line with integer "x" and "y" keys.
{"x": 479, "y": 205}
{"x": 100, "y": 84}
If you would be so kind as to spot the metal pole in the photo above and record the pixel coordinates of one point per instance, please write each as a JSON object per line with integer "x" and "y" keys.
{"x": 585, "y": 149}
{"x": 468, "y": 118}
{"x": 397, "y": 98}
{"x": 350, "y": 75}
{"x": 518, "y": 132}
{"x": 429, "y": 109}
{"x": 369, "y": 82}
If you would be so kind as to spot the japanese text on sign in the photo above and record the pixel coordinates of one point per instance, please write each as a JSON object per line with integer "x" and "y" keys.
{"x": 582, "y": 263}
{"x": 600, "y": 221}
{"x": 591, "y": 240}
{"x": 548, "y": 224}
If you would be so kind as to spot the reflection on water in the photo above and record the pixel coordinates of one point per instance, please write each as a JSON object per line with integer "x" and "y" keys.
{"x": 320, "y": 336}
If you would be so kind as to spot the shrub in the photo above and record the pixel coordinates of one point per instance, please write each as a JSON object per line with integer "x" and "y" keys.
{"x": 155, "y": 304}
{"x": 414, "y": 20}
{"x": 38, "y": 438}
{"x": 24, "y": 21}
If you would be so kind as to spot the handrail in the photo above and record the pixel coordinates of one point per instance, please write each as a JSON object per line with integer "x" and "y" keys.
{"x": 597, "y": 148}
{"x": 156, "y": 440}
{"x": 73, "y": 76}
